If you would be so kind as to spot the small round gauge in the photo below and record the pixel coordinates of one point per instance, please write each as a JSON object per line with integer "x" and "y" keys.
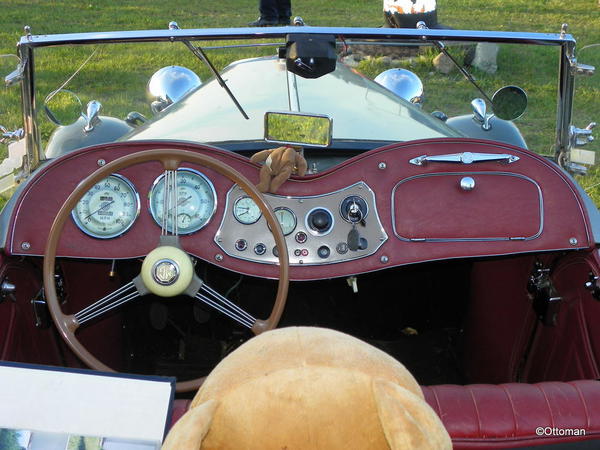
{"x": 196, "y": 201}
{"x": 246, "y": 211}
{"x": 108, "y": 209}
{"x": 286, "y": 218}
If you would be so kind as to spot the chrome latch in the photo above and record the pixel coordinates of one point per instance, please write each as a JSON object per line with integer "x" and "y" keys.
{"x": 545, "y": 299}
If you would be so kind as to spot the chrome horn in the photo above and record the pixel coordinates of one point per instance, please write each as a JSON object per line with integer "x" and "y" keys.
{"x": 170, "y": 84}
{"x": 404, "y": 84}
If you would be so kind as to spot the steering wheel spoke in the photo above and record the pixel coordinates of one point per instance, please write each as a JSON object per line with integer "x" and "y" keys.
{"x": 107, "y": 303}
{"x": 209, "y": 296}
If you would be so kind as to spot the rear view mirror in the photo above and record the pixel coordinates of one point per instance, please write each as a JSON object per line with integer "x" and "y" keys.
{"x": 298, "y": 129}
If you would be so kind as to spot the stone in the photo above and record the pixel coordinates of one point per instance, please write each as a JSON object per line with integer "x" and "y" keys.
{"x": 486, "y": 57}
{"x": 443, "y": 64}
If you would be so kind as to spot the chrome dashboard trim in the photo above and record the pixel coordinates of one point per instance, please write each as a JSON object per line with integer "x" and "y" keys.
{"x": 225, "y": 237}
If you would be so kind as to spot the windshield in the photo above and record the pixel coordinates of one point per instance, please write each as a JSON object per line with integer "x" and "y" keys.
{"x": 362, "y": 110}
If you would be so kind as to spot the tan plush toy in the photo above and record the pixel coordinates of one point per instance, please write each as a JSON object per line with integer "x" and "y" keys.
{"x": 279, "y": 164}
{"x": 308, "y": 388}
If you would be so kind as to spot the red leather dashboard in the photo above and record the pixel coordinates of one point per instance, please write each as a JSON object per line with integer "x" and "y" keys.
{"x": 526, "y": 206}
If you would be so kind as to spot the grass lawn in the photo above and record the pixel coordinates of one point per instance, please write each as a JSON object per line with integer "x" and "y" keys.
{"x": 583, "y": 17}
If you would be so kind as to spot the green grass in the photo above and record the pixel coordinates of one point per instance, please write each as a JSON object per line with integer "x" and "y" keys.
{"x": 534, "y": 70}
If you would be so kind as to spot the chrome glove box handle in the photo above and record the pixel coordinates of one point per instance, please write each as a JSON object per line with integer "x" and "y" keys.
{"x": 464, "y": 158}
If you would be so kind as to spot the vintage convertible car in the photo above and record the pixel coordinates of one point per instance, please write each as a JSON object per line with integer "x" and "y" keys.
{"x": 428, "y": 223}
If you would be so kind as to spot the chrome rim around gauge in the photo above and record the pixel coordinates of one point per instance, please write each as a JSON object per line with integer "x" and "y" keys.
{"x": 287, "y": 219}
{"x": 196, "y": 201}
{"x": 246, "y": 211}
{"x": 109, "y": 209}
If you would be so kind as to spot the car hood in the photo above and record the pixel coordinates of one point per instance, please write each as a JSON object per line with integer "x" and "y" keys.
{"x": 360, "y": 108}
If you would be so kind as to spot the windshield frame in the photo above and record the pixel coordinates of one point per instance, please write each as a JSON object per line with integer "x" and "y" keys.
{"x": 28, "y": 44}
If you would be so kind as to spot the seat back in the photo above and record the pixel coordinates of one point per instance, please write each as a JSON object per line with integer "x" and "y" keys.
{"x": 517, "y": 415}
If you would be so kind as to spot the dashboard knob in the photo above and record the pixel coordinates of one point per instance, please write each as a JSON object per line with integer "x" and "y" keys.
{"x": 320, "y": 220}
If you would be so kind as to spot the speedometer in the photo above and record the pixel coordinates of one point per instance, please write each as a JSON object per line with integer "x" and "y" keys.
{"x": 108, "y": 209}
{"x": 196, "y": 201}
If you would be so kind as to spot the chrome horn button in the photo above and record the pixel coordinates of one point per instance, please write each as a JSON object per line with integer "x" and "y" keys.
{"x": 165, "y": 272}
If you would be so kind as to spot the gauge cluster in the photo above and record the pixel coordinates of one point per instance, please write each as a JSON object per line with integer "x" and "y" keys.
{"x": 333, "y": 227}
{"x": 111, "y": 207}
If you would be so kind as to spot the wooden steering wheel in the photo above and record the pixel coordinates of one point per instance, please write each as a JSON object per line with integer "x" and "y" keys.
{"x": 167, "y": 270}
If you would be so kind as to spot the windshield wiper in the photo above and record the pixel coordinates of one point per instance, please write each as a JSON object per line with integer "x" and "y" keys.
{"x": 199, "y": 53}
{"x": 442, "y": 48}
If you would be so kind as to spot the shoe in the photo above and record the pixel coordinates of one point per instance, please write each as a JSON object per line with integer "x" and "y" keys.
{"x": 263, "y": 22}
{"x": 284, "y": 21}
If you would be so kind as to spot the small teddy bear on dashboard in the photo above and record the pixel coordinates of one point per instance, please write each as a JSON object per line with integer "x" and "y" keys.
{"x": 279, "y": 164}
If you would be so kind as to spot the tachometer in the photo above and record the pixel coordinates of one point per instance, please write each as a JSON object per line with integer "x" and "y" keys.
{"x": 196, "y": 201}
{"x": 109, "y": 209}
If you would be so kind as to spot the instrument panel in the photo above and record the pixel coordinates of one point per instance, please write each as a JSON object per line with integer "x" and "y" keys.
{"x": 367, "y": 213}
{"x": 328, "y": 228}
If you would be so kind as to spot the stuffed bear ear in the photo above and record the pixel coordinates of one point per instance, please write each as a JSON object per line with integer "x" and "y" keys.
{"x": 407, "y": 420}
{"x": 189, "y": 431}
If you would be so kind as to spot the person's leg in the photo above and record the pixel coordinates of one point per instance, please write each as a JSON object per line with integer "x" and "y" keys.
{"x": 284, "y": 11}
{"x": 268, "y": 14}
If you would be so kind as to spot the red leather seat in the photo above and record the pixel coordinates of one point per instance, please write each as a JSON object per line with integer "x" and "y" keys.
{"x": 508, "y": 415}
{"x": 484, "y": 416}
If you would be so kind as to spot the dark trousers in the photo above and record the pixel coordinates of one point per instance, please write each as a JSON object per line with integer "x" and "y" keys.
{"x": 275, "y": 9}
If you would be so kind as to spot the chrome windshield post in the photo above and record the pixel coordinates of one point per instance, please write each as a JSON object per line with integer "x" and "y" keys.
{"x": 566, "y": 83}
{"x": 32, "y": 135}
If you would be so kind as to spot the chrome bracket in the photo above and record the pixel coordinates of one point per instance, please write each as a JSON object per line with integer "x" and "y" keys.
{"x": 40, "y": 310}
{"x": 7, "y": 136}
{"x": 579, "y": 137}
{"x": 579, "y": 68}
{"x": 545, "y": 299}
{"x": 592, "y": 286}
{"x": 7, "y": 291}
{"x": 15, "y": 76}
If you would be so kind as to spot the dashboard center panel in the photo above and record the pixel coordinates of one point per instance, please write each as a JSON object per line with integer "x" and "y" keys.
{"x": 321, "y": 229}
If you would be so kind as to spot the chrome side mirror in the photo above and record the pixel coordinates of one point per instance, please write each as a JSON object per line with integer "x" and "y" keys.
{"x": 509, "y": 102}
{"x": 404, "y": 84}
{"x": 170, "y": 84}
